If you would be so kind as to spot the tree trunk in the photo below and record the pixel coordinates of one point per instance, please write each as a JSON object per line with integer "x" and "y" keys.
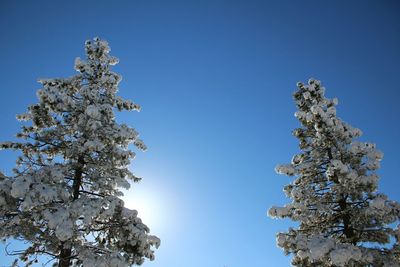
{"x": 65, "y": 257}
{"x": 348, "y": 231}
{"x": 65, "y": 254}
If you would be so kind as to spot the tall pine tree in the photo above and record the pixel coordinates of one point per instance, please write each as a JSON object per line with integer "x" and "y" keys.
{"x": 342, "y": 219}
{"x": 64, "y": 196}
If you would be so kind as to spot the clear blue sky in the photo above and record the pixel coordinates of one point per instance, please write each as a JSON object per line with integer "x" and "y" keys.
{"x": 215, "y": 80}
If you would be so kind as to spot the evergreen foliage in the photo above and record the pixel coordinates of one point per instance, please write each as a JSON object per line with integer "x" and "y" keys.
{"x": 64, "y": 196}
{"x": 342, "y": 219}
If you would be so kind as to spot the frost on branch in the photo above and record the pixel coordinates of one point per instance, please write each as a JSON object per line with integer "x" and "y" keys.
{"x": 343, "y": 219}
{"x": 64, "y": 195}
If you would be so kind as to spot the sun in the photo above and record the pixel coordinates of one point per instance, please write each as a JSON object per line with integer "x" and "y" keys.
{"x": 148, "y": 207}
{"x": 156, "y": 201}
{"x": 152, "y": 200}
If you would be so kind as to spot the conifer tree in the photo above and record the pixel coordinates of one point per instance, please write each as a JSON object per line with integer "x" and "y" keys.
{"x": 64, "y": 195}
{"x": 342, "y": 220}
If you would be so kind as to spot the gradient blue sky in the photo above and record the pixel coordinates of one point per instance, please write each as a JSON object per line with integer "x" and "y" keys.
{"x": 215, "y": 80}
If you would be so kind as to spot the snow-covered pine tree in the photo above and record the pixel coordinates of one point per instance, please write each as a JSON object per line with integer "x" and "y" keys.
{"x": 342, "y": 219}
{"x": 64, "y": 198}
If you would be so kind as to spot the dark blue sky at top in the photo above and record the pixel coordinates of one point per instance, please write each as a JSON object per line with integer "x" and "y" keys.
{"x": 215, "y": 80}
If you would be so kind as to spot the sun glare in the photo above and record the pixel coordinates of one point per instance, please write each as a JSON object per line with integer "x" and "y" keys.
{"x": 153, "y": 201}
{"x": 147, "y": 206}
